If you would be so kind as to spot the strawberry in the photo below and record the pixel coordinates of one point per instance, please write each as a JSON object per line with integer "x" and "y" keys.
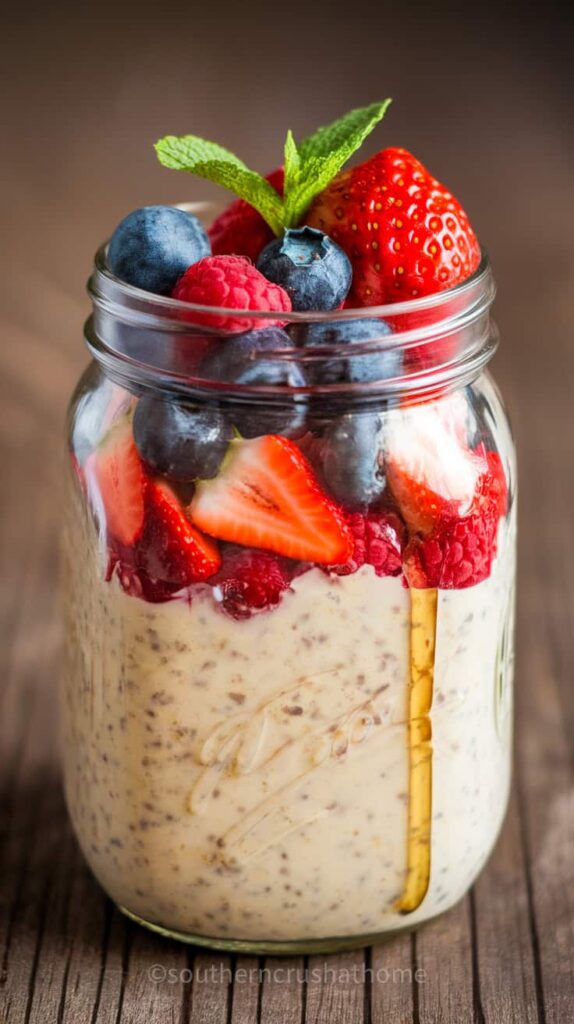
{"x": 430, "y": 469}
{"x": 404, "y": 232}
{"x": 169, "y": 555}
{"x": 266, "y": 496}
{"x": 240, "y": 230}
{"x": 116, "y": 483}
{"x": 171, "y": 549}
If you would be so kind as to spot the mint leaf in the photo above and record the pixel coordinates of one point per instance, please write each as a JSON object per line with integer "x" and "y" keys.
{"x": 209, "y": 160}
{"x": 291, "y": 165}
{"x": 309, "y": 166}
{"x": 322, "y": 155}
{"x": 345, "y": 135}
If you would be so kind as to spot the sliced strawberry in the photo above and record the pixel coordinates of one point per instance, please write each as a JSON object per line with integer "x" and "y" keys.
{"x": 429, "y": 467}
{"x": 116, "y": 483}
{"x": 493, "y": 488}
{"x": 171, "y": 549}
{"x": 266, "y": 496}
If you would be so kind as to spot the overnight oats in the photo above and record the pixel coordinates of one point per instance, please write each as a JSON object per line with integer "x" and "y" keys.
{"x": 289, "y": 555}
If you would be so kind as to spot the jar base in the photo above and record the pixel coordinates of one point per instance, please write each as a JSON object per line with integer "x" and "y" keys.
{"x": 290, "y": 947}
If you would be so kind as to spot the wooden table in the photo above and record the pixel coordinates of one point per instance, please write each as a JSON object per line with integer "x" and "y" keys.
{"x": 81, "y": 116}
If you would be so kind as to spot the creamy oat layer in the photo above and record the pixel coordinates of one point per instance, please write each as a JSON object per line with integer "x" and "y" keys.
{"x": 250, "y": 779}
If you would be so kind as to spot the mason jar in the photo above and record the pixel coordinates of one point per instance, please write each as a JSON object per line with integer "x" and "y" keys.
{"x": 300, "y": 739}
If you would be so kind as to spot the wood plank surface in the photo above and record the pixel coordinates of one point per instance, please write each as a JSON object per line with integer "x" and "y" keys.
{"x": 485, "y": 103}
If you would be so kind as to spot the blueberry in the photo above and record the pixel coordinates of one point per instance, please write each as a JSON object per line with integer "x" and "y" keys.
{"x": 359, "y": 369}
{"x": 237, "y": 360}
{"x": 152, "y": 247}
{"x": 350, "y": 456}
{"x": 313, "y": 270}
{"x": 179, "y": 441}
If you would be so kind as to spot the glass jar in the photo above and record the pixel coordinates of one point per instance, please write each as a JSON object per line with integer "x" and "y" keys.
{"x": 289, "y": 751}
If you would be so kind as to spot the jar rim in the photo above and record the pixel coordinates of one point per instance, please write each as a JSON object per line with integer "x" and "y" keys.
{"x": 459, "y": 314}
{"x": 417, "y": 304}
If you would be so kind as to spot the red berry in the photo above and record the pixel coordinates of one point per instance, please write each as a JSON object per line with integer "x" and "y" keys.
{"x": 378, "y": 541}
{"x": 234, "y": 283}
{"x": 250, "y": 581}
{"x": 116, "y": 483}
{"x": 134, "y": 581}
{"x": 460, "y": 550}
{"x": 430, "y": 469}
{"x": 266, "y": 496}
{"x": 171, "y": 548}
{"x": 458, "y": 554}
{"x": 404, "y": 232}
{"x": 240, "y": 229}
{"x": 170, "y": 554}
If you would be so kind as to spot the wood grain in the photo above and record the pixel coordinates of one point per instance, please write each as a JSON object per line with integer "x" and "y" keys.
{"x": 80, "y": 157}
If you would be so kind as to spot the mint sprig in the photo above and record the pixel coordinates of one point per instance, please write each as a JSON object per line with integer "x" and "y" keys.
{"x": 309, "y": 166}
{"x": 208, "y": 160}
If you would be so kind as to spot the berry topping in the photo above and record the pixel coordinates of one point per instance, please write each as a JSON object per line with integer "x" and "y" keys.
{"x": 178, "y": 440}
{"x": 349, "y": 458}
{"x": 460, "y": 549}
{"x": 240, "y": 360}
{"x": 313, "y": 270}
{"x": 362, "y": 368}
{"x": 404, "y": 232}
{"x": 240, "y": 229}
{"x": 429, "y": 467}
{"x": 134, "y": 581}
{"x": 378, "y": 541}
{"x": 250, "y": 581}
{"x": 231, "y": 282}
{"x": 172, "y": 549}
{"x": 170, "y": 555}
{"x": 116, "y": 483}
{"x": 266, "y": 496}
{"x": 494, "y": 490}
{"x": 308, "y": 165}
{"x": 152, "y": 247}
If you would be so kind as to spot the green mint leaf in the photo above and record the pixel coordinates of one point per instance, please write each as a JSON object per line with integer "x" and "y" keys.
{"x": 322, "y": 155}
{"x": 291, "y": 165}
{"x": 344, "y": 135}
{"x": 209, "y": 160}
{"x": 309, "y": 166}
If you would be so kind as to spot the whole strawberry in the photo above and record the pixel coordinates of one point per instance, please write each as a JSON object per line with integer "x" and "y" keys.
{"x": 240, "y": 229}
{"x": 405, "y": 233}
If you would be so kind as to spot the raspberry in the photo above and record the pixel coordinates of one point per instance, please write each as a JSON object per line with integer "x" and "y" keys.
{"x": 240, "y": 229}
{"x": 133, "y": 580}
{"x": 458, "y": 554}
{"x": 250, "y": 581}
{"x": 460, "y": 550}
{"x": 378, "y": 539}
{"x": 232, "y": 282}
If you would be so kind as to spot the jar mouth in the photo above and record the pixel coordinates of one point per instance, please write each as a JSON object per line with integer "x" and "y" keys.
{"x": 444, "y": 338}
{"x": 103, "y": 274}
